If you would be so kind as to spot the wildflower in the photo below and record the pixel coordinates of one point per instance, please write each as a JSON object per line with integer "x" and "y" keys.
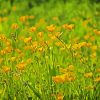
{"x": 53, "y": 37}
{"x": 40, "y": 49}
{"x": 2, "y": 52}
{"x": 21, "y": 66}
{"x": 59, "y": 78}
{"x": 6, "y": 69}
{"x": 82, "y": 44}
{"x": 93, "y": 55}
{"x": 22, "y": 18}
{"x": 27, "y": 40}
{"x": 97, "y": 32}
{"x": 8, "y": 49}
{"x": 70, "y": 68}
{"x": 40, "y": 34}
{"x": 13, "y": 59}
{"x": 88, "y": 75}
{"x": 60, "y": 96}
{"x": 75, "y": 47}
{"x": 51, "y": 28}
{"x": 35, "y": 44}
{"x": 59, "y": 44}
{"x": 69, "y": 27}
{"x": 86, "y": 37}
{"x": 97, "y": 79}
{"x": 32, "y": 29}
{"x": 18, "y": 50}
{"x": 88, "y": 44}
{"x": 94, "y": 47}
{"x": 14, "y": 26}
{"x": 92, "y": 38}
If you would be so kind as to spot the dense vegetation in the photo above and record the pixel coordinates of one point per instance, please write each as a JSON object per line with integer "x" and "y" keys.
{"x": 49, "y": 50}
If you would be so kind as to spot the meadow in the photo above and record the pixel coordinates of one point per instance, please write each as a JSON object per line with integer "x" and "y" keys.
{"x": 49, "y": 50}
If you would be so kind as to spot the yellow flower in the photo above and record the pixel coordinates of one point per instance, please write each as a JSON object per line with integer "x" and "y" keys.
{"x": 40, "y": 49}
{"x": 88, "y": 75}
{"x": 34, "y": 44}
{"x": 75, "y": 47}
{"x": 53, "y": 37}
{"x": 93, "y": 55}
{"x": 18, "y": 51}
{"x": 94, "y": 47}
{"x": 86, "y": 37}
{"x": 82, "y": 44}
{"x": 27, "y": 40}
{"x": 40, "y": 34}
{"x": 88, "y": 44}
{"x": 97, "y": 79}
{"x": 60, "y": 44}
{"x": 13, "y": 59}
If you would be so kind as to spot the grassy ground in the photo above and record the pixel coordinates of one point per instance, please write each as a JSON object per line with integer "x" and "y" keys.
{"x": 50, "y": 51}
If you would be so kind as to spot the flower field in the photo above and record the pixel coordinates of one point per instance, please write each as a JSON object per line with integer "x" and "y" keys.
{"x": 49, "y": 50}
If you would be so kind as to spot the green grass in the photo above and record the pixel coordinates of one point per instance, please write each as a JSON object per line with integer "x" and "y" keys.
{"x": 36, "y": 67}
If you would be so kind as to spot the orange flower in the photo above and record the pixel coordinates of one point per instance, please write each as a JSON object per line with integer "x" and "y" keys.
{"x": 60, "y": 96}
{"x": 32, "y": 29}
{"x": 96, "y": 32}
{"x": 14, "y": 26}
{"x": 27, "y": 40}
{"x": 21, "y": 66}
{"x": 69, "y": 27}
{"x": 6, "y": 69}
{"x": 59, "y": 78}
{"x": 22, "y": 18}
{"x": 40, "y": 34}
{"x": 51, "y": 28}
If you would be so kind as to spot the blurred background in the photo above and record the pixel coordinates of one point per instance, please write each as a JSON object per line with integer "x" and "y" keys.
{"x": 64, "y": 10}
